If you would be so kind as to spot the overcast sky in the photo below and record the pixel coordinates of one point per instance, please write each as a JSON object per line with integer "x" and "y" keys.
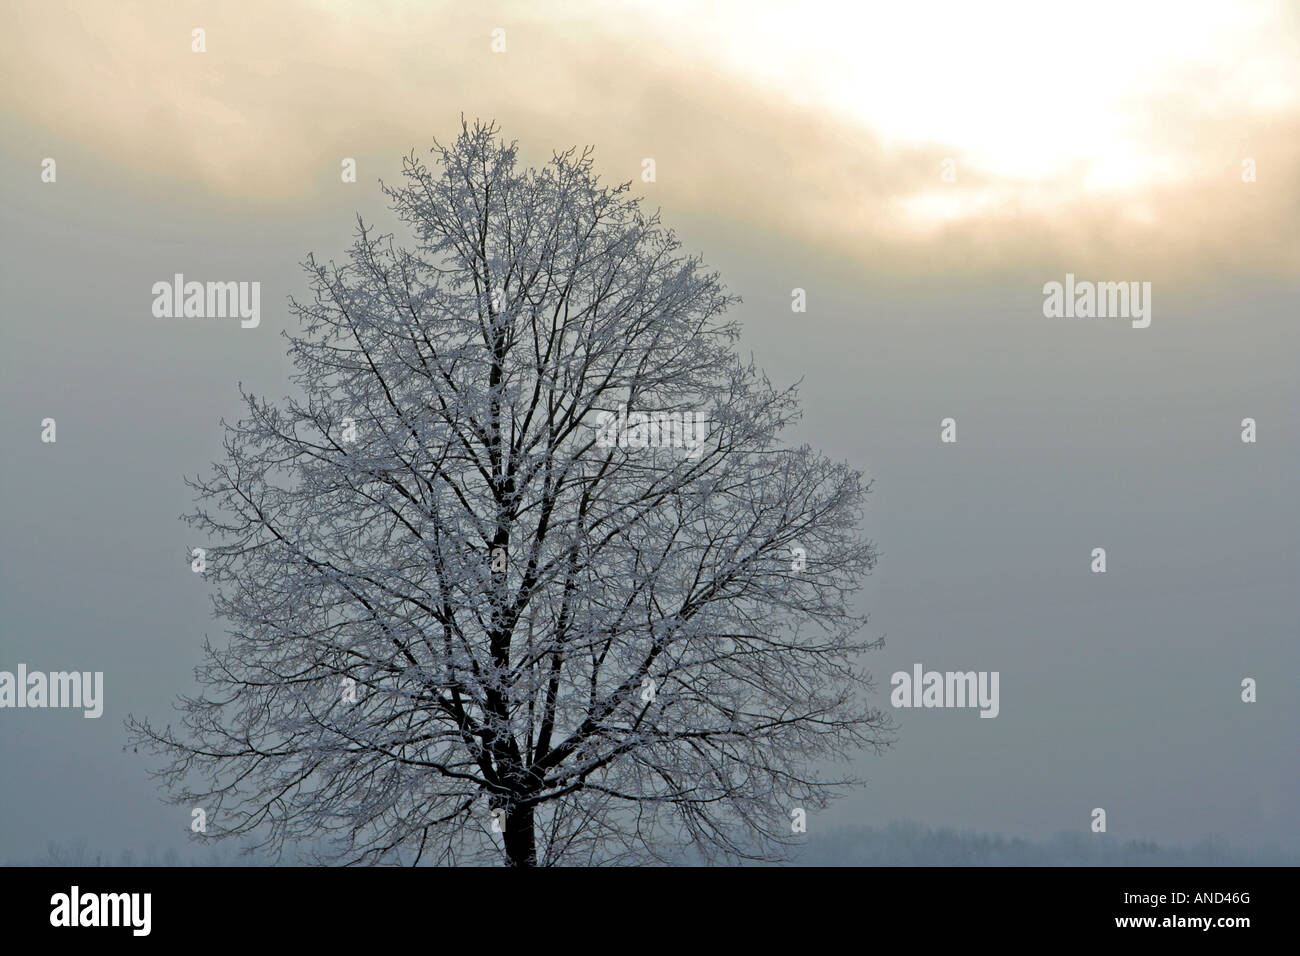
{"x": 1113, "y": 141}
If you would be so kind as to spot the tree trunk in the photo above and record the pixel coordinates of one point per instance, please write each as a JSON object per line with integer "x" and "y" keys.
{"x": 521, "y": 848}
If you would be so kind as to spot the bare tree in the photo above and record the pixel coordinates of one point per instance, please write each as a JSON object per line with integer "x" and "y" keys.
{"x": 492, "y": 591}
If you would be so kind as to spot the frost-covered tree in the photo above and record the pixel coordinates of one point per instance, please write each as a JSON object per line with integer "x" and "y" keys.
{"x": 487, "y": 598}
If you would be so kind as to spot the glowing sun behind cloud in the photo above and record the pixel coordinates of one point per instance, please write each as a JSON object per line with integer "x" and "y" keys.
{"x": 1095, "y": 99}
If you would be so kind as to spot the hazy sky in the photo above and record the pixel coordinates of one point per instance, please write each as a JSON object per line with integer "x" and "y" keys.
{"x": 799, "y": 149}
